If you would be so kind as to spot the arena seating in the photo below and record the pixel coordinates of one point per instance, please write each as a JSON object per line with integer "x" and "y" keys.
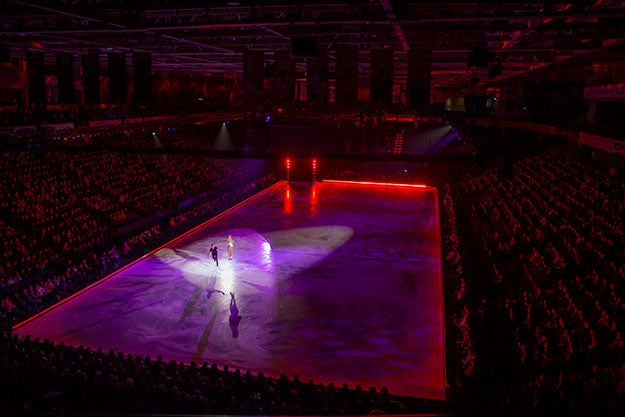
{"x": 546, "y": 284}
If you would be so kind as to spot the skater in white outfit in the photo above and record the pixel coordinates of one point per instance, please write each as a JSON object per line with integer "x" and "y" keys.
{"x": 230, "y": 242}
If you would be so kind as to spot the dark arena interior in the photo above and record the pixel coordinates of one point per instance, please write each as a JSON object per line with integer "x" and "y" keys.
{"x": 418, "y": 207}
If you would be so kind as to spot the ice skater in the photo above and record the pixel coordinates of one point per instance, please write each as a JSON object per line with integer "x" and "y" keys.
{"x": 230, "y": 242}
{"x": 214, "y": 253}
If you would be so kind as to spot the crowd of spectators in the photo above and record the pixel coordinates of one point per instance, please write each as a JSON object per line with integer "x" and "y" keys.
{"x": 544, "y": 243}
{"x": 455, "y": 288}
{"x": 42, "y": 377}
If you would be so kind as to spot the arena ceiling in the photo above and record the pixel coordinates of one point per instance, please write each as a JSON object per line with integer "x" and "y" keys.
{"x": 519, "y": 38}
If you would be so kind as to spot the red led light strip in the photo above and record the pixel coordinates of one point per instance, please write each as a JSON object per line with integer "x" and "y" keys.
{"x": 379, "y": 183}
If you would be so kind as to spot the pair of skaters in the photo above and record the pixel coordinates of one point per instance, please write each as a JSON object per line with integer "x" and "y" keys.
{"x": 214, "y": 250}
{"x": 234, "y": 318}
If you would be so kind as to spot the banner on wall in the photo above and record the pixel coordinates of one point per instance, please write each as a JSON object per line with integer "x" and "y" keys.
{"x": 100, "y": 123}
{"x": 606, "y": 91}
{"x": 601, "y": 142}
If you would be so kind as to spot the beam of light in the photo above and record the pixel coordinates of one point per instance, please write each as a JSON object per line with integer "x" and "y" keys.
{"x": 426, "y": 140}
{"x": 157, "y": 141}
{"x": 226, "y": 277}
{"x": 297, "y": 249}
{"x": 266, "y": 253}
{"x": 252, "y": 263}
{"x": 391, "y": 184}
{"x": 254, "y": 255}
{"x": 223, "y": 142}
{"x": 260, "y": 260}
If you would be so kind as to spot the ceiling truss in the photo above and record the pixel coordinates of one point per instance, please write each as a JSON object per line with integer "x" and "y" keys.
{"x": 210, "y": 37}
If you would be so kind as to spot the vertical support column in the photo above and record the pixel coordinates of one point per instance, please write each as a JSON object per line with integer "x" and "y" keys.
{"x": 91, "y": 78}
{"x": 381, "y": 76}
{"x": 117, "y": 77}
{"x": 253, "y": 76}
{"x": 419, "y": 78}
{"x": 142, "y": 78}
{"x": 346, "y": 76}
{"x": 65, "y": 77}
{"x": 284, "y": 77}
{"x": 36, "y": 78}
{"x": 317, "y": 77}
